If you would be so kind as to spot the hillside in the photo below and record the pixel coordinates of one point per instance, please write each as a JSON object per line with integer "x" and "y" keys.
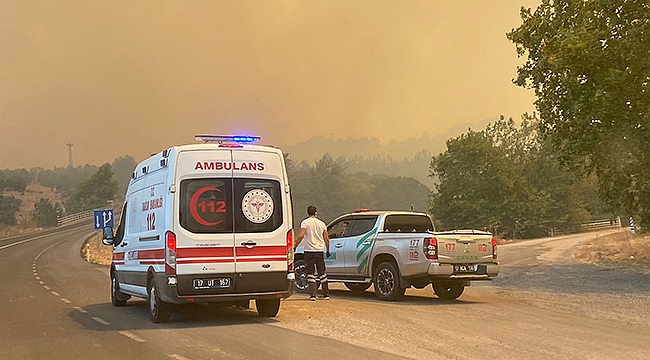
{"x": 32, "y": 194}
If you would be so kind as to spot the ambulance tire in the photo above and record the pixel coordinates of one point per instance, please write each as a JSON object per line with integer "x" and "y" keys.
{"x": 158, "y": 310}
{"x": 448, "y": 290}
{"x": 267, "y": 307}
{"x": 117, "y": 297}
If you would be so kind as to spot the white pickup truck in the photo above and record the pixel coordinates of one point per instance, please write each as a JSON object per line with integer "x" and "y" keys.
{"x": 394, "y": 250}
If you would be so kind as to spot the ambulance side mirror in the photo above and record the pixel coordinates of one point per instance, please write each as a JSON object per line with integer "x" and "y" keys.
{"x": 108, "y": 236}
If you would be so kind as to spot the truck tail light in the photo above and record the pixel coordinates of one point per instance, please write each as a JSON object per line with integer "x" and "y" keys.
{"x": 290, "y": 250}
{"x": 170, "y": 253}
{"x": 494, "y": 249}
{"x": 431, "y": 248}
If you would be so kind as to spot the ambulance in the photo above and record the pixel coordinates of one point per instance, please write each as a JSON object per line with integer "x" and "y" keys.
{"x": 203, "y": 223}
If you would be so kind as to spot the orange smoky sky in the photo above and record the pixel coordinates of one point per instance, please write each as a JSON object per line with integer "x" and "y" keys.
{"x": 135, "y": 77}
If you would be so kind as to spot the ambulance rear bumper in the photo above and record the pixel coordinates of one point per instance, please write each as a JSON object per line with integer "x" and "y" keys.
{"x": 170, "y": 293}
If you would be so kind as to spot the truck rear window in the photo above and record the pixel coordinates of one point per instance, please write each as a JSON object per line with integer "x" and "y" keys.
{"x": 408, "y": 223}
{"x": 230, "y": 205}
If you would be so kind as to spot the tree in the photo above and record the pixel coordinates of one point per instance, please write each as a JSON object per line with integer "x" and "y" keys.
{"x": 94, "y": 192}
{"x": 476, "y": 183}
{"x": 45, "y": 213}
{"x": 122, "y": 169}
{"x": 507, "y": 179}
{"x": 587, "y": 62}
{"x": 8, "y": 207}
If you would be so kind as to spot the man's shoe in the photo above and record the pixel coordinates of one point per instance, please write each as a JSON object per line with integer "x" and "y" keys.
{"x": 326, "y": 297}
{"x": 312, "y": 298}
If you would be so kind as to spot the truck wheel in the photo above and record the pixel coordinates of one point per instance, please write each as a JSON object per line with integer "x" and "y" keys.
{"x": 357, "y": 287}
{"x": 117, "y": 298}
{"x": 387, "y": 285}
{"x": 448, "y": 290}
{"x": 300, "y": 270}
{"x": 267, "y": 307}
{"x": 158, "y": 310}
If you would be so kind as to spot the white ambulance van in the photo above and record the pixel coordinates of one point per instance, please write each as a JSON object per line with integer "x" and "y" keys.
{"x": 207, "y": 222}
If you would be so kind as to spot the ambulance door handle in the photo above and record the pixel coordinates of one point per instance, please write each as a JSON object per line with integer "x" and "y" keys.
{"x": 338, "y": 245}
{"x": 249, "y": 244}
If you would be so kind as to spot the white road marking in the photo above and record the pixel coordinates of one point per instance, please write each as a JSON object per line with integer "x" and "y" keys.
{"x": 38, "y": 278}
{"x": 40, "y": 282}
{"x": 133, "y": 336}
{"x": 100, "y": 320}
{"x": 55, "y": 293}
{"x": 66, "y": 300}
{"x": 46, "y": 287}
{"x": 178, "y": 357}
{"x": 81, "y": 310}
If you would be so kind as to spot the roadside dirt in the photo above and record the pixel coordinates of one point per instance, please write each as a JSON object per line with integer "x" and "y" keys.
{"x": 621, "y": 251}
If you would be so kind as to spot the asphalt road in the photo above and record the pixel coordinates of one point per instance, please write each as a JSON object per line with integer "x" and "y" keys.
{"x": 543, "y": 305}
{"x": 57, "y": 306}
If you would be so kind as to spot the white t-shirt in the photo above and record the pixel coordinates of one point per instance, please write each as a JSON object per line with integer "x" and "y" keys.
{"x": 313, "y": 239}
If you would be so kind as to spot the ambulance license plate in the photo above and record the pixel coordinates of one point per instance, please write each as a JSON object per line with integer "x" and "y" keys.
{"x": 216, "y": 283}
{"x": 464, "y": 268}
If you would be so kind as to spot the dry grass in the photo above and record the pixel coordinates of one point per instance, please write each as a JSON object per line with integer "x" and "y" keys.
{"x": 95, "y": 252}
{"x": 622, "y": 250}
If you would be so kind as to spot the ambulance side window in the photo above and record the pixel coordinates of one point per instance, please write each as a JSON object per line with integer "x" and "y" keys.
{"x": 206, "y": 205}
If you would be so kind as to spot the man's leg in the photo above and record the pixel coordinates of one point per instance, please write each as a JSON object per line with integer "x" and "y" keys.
{"x": 320, "y": 266}
{"x": 310, "y": 261}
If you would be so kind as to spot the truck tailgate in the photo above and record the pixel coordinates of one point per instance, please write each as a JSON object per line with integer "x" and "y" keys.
{"x": 465, "y": 247}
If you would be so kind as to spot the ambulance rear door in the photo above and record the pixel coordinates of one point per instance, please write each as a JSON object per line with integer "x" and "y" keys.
{"x": 261, "y": 220}
{"x": 205, "y": 241}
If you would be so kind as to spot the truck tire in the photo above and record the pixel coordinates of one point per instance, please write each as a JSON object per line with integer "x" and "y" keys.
{"x": 357, "y": 287}
{"x": 267, "y": 307}
{"x": 448, "y": 290}
{"x": 117, "y": 297}
{"x": 158, "y": 310}
{"x": 387, "y": 284}
{"x": 300, "y": 269}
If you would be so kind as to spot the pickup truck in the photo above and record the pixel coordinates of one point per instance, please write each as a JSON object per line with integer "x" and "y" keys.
{"x": 394, "y": 250}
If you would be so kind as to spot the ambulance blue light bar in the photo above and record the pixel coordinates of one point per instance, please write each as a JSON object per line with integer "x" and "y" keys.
{"x": 228, "y": 138}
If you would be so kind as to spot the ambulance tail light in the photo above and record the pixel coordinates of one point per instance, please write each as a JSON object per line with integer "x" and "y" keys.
{"x": 494, "y": 249}
{"x": 170, "y": 253}
{"x": 431, "y": 248}
{"x": 290, "y": 250}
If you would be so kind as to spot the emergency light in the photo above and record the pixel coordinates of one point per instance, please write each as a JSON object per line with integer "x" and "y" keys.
{"x": 228, "y": 138}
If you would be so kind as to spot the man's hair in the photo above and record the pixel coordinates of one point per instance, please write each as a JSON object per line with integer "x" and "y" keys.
{"x": 311, "y": 210}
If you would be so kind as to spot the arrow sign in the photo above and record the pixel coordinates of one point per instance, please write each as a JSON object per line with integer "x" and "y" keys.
{"x": 103, "y": 218}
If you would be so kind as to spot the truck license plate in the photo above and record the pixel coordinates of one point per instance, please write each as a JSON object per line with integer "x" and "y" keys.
{"x": 216, "y": 283}
{"x": 464, "y": 268}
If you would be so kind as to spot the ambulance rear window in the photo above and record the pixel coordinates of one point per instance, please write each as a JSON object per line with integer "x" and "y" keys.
{"x": 230, "y": 205}
{"x": 206, "y": 205}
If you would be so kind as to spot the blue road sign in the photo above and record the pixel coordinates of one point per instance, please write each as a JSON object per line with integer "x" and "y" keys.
{"x": 102, "y": 218}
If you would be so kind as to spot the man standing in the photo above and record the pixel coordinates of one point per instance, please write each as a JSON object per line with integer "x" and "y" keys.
{"x": 314, "y": 231}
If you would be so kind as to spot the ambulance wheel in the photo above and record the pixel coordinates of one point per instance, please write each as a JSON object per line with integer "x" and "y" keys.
{"x": 448, "y": 290}
{"x": 158, "y": 310}
{"x": 300, "y": 269}
{"x": 267, "y": 307}
{"x": 387, "y": 282}
{"x": 117, "y": 297}
{"x": 356, "y": 287}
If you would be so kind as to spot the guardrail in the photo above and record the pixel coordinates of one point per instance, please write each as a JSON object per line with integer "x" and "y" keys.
{"x": 594, "y": 225}
{"x": 74, "y": 217}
